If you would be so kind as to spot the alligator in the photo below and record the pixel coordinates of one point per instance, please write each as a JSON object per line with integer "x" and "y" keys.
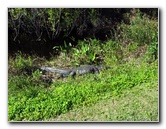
{"x": 74, "y": 71}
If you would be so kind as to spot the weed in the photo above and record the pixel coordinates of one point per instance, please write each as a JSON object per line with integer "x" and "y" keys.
{"x": 141, "y": 30}
{"x": 153, "y": 50}
{"x": 86, "y": 52}
{"x": 29, "y": 99}
{"x": 39, "y": 103}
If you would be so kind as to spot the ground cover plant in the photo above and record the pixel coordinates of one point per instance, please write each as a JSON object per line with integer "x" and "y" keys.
{"x": 127, "y": 91}
{"x": 31, "y": 101}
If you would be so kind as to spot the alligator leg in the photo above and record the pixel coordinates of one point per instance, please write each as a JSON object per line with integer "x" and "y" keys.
{"x": 61, "y": 76}
{"x": 73, "y": 74}
{"x": 96, "y": 71}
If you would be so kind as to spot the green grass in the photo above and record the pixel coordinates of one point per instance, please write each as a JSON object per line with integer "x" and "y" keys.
{"x": 140, "y": 103}
{"x": 128, "y": 91}
{"x": 30, "y": 101}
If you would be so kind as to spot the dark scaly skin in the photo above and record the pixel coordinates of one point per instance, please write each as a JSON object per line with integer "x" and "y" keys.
{"x": 74, "y": 71}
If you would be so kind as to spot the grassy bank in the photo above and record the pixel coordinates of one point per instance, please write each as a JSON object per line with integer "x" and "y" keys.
{"x": 31, "y": 100}
{"x": 137, "y": 104}
{"x": 127, "y": 91}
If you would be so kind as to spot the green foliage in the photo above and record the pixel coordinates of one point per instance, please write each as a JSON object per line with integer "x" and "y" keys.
{"x": 36, "y": 74}
{"x": 16, "y": 12}
{"x": 140, "y": 103}
{"x": 20, "y": 82}
{"x": 141, "y": 30}
{"x": 152, "y": 51}
{"x": 93, "y": 16}
{"x": 86, "y": 52}
{"x": 33, "y": 102}
{"x": 112, "y": 53}
{"x": 132, "y": 46}
{"x": 52, "y": 20}
{"x": 31, "y": 99}
{"x": 21, "y": 61}
{"x": 63, "y": 50}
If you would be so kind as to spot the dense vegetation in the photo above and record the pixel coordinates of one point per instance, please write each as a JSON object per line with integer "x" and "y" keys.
{"x": 130, "y": 47}
{"x": 38, "y": 30}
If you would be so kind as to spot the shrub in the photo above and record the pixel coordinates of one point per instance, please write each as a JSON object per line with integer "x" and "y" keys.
{"x": 86, "y": 52}
{"x": 141, "y": 30}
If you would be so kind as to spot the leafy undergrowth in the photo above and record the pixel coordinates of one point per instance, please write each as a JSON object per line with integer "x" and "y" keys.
{"x": 30, "y": 100}
{"x": 130, "y": 82}
{"x": 137, "y": 104}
